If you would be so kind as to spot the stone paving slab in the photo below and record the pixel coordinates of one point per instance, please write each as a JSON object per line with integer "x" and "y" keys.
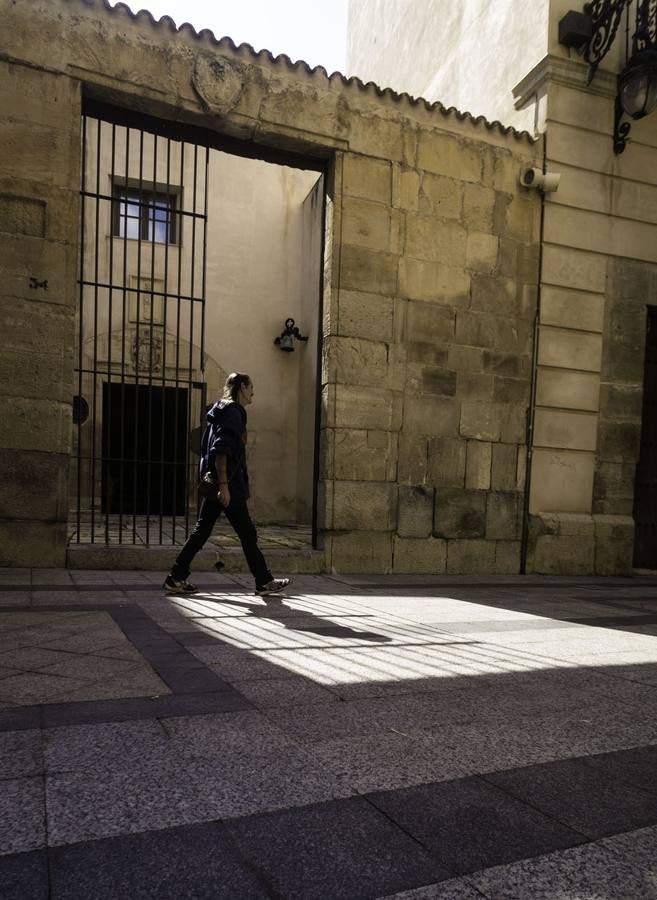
{"x": 347, "y": 740}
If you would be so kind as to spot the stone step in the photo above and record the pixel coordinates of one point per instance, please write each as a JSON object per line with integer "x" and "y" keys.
{"x": 159, "y": 558}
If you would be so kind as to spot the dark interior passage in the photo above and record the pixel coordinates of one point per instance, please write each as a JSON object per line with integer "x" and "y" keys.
{"x": 144, "y": 449}
{"x": 645, "y": 488}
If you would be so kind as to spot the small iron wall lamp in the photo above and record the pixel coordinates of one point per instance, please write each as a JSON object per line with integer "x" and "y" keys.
{"x": 288, "y": 336}
{"x": 636, "y": 95}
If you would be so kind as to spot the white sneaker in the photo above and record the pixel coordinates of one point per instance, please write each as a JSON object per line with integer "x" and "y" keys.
{"x": 178, "y": 586}
{"x": 273, "y": 586}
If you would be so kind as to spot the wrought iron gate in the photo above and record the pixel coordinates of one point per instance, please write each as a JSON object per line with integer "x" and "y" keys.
{"x": 141, "y": 317}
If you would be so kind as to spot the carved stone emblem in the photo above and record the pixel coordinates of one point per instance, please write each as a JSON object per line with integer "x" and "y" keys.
{"x": 147, "y": 352}
{"x": 218, "y": 84}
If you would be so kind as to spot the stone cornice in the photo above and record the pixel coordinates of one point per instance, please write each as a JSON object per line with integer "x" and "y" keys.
{"x": 558, "y": 70}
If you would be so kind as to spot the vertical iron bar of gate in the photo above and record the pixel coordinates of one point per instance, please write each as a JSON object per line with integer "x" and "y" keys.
{"x": 177, "y": 368}
{"x": 203, "y": 398}
{"x": 125, "y": 313}
{"x": 83, "y": 201}
{"x": 135, "y": 469}
{"x": 165, "y": 303}
{"x": 94, "y": 416}
{"x": 192, "y": 303}
{"x": 106, "y": 474}
{"x": 151, "y": 347}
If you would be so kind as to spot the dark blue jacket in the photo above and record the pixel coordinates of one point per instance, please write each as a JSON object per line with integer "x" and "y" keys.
{"x": 226, "y": 436}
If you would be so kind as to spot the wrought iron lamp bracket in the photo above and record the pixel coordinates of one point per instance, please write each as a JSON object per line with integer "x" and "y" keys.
{"x": 621, "y": 129}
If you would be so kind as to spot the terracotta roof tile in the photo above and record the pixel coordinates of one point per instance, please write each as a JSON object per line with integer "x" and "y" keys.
{"x": 144, "y": 15}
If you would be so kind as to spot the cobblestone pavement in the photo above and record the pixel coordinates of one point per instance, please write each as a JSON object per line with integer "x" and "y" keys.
{"x": 360, "y": 737}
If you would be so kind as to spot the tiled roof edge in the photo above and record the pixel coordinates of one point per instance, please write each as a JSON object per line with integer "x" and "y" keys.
{"x": 283, "y": 59}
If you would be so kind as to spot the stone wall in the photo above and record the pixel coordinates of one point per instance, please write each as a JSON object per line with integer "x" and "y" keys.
{"x": 39, "y": 192}
{"x": 430, "y": 275}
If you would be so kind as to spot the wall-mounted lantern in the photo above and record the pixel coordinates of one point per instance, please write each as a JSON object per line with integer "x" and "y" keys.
{"x": 290, "y": 334}
{"x": 592, "y": 33}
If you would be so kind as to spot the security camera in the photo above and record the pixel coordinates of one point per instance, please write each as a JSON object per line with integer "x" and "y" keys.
{"x": 542, "y": 181}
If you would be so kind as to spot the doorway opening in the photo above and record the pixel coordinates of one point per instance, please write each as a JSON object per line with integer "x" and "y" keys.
{"x": 195, "y": 250}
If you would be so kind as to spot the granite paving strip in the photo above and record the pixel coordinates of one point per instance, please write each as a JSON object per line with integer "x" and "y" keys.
{"x": 341, "y": 849}
{"x": 582, "y": 797}
{"x": 22, "y": 815}
{"x": 25, "y": 876}
{"x": 197, "y": 861}
{"x": 21, "y": 754}
{"x": 590, "y": 871}
{"x": 453, "y": 889}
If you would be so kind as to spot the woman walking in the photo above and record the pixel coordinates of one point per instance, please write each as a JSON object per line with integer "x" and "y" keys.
{"x": 223, "y": 471}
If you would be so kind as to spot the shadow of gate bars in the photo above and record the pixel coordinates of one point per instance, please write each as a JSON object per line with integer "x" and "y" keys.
{"x": 140, "y": 379}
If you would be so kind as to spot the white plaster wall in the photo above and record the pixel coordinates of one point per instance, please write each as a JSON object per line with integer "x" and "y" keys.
{"x": 254, "y": 282}
{"x": 469, "y": 54}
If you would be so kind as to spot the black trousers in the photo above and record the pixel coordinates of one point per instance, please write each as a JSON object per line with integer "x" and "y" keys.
{"x": 237, "y": 514}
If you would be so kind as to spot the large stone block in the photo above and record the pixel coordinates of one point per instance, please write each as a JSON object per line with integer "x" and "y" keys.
{"x": 359, "y": 552}
{"x": 619, "y": 440}
{"x": 376, "y": 136}
{"x": 363, "y": 176}
{"x": 367, "y": 224}
{"x": 405, "y": 188}
{"x": 613, "y": 487}
{"x": 441, "y": 382}
{"x": 504, "y": 516}
{"x": 512, "y": 391}
{"x": 459, "y": 513}
{"x": 362, "y": 269}
{"x": 621, "y": 400}
{"x": 572, "y": 309}
{"x": 31, "y": 544}
{"x": 474, "y": 557}
{"x": 493, "y": 332}
{"x": 478, "y": 465}
{"x": 23, "y": 215}
{"x": 37, "y": 270}
{"x": 504, "y": 467}
{"x": 480, "y": 421}
{"x": 419, "y": 556}
{"x": 475, "y": 386}
{"x": 481, "y": 252}
{"x": 437, "y": 282}
{"x": 442, "y": 197}
{"x": 567, "y": 430}
{"x": 365, "y": 455}
{"x": 561, "y": 480}
{"x": 567, "y": 555}
{"x": 39, "y": 152}
{"x": 415, "y": 511}
{"x": 569, "y": 349}
{"x": 451, "y": 156}
{"x": 366, "y": 408}
{"x": 494, "y": 295}
{"x": 446, "y": 462}
{"x": 364, "y": 505}
{"x": 466, "y": 359}
{"x": 431, "y": 415}
{"x": 574, "y": 269}
{"x": 354, "y": 361}
{"x": 424, "y": 353}
{"x": 507, "y": 557}
{"x": 478, "y": 207}
{"x": 568, "y": 390}
{"x": 33, "y": 485}
{"x": 37, "y": 375}
{"x": 614, "y": 545}
{"x": 413, "y": 458}
{"x": 512, "y": 365}
{"x": 428, "y": 322}
{"x": 24, "y": 422}
{"x": 368, "y": 316}
{"x": 432, "y": 239}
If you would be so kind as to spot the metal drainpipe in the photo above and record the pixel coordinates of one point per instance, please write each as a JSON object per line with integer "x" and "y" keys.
{"x": 532, "y": 402}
